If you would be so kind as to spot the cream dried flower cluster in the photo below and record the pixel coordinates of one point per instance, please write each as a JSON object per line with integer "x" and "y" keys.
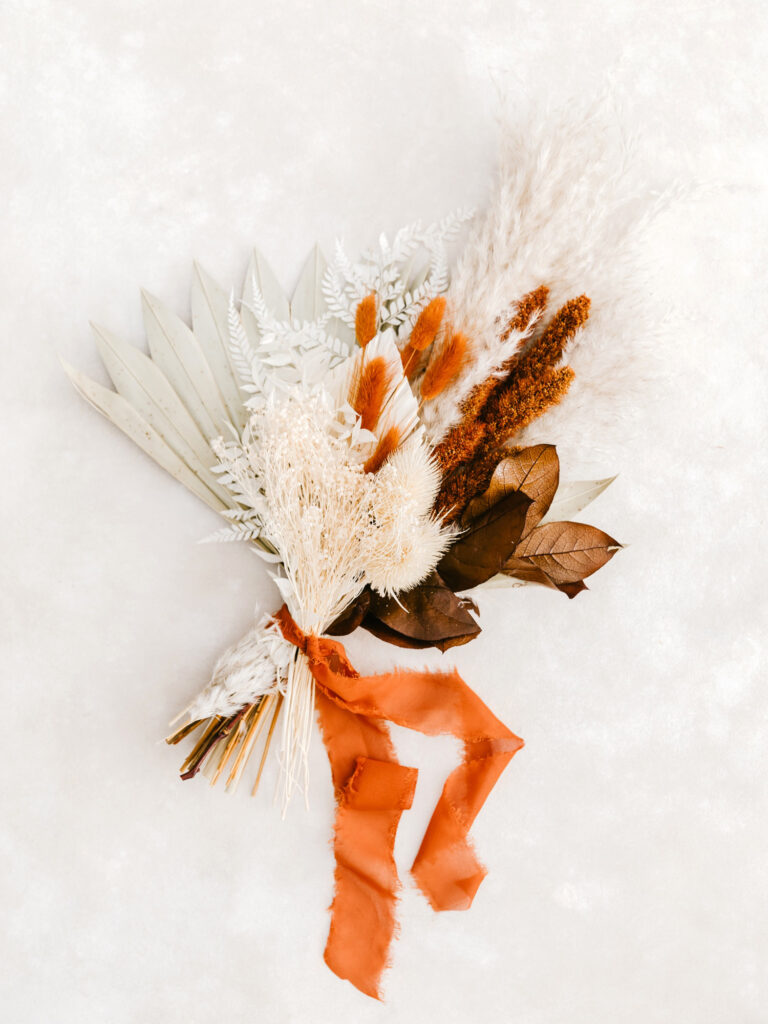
{"x": 332, "y": 521}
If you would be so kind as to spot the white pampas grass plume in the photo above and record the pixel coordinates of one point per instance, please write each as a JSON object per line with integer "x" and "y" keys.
{"x": 568, "y": 211}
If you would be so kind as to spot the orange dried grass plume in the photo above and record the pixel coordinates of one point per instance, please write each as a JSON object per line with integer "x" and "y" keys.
{"x": 444, "y": 367}
{"x": 516, "y": 411}
{"x": 547, "y": 351}
{"x": 366, "y": 320}
{"x": 531, "y": 305}
{"x": 427, "y": 325}
{"x": 388, "y": 443}
{"x": 369, "y": 390}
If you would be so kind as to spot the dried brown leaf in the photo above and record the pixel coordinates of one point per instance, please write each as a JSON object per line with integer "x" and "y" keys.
{"x": 567, "y": 552}
{"x": 535, "y": 471}
{"x": 352, "y": 616}
{"x": 488, "y": 542}
{"x": 391, "y": 636}
{"x": 522, "y": 569}
{"x": 430, "y": 614}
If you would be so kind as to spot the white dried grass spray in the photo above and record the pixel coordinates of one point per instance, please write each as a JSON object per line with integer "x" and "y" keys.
{"x": 569, "y": 210}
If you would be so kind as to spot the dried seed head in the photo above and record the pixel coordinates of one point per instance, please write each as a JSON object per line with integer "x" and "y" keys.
{"x": 369, "y": 389}
{"x": 366, "y": 320}
{"x": 529, "y": 308}
{"x": 427, "y": 325}
{"x": 387, "y": 445}
{"x": 444, "y": 366}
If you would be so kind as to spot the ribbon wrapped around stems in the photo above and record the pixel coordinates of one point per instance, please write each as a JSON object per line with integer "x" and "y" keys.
{"x": 373, "y": 789}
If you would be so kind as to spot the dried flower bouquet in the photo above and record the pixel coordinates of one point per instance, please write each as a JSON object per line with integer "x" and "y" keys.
{"x": 370, "y": 438}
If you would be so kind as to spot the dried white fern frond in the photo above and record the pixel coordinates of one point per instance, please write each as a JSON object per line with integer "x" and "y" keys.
{"x": 387, "y": 270}
{"x": 242, "y": 352}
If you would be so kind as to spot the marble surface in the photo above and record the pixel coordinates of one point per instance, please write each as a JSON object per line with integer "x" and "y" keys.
{"x": 626, "y": 844}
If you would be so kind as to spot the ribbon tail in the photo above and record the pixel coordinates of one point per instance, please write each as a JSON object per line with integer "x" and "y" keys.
{"x": 446, "y": 868}
{"x": 370, "y": 801}
{"x": 372, "y": 790}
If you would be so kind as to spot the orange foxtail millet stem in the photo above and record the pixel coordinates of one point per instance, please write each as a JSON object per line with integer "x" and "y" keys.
{"x": 532, "y": 386}
{"x": 519, "y": 408}
{"x": 463, "y": 439}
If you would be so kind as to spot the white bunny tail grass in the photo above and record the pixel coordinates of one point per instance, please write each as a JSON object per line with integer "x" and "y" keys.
{"x": 569, "y": 211}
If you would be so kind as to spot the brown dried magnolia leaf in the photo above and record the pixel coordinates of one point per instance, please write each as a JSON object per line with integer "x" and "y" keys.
{"x": 572, "y": 589}
{"x": 429, "y": 614}
{"x": 389, "y": 636}
{"x": 352, "y": 616}
{"x": 488, "y": 542}
{"x": 522, "y": 569}
{"x": 567, "y": 552}
{"x": 534, "y": 470}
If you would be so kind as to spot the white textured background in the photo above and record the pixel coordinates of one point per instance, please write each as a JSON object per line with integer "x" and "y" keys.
{"x": 627, "y": 843}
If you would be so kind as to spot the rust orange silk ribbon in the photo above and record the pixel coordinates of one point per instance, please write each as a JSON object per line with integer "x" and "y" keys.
{"x": 373, "y": 789}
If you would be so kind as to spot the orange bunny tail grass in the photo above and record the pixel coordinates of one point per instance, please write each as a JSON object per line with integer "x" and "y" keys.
{"x": 388, "y": 443}
{"x": 427, "y": 325}
{"x": 368, "y": 391}
{"x": 366, "y": 320}
{"x": 444, "y": 367}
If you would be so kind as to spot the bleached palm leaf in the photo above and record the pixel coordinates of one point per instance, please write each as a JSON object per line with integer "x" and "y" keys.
{"x": 260, "y": 272}
{"x": 177, "y": 352}
{"x": 144, "y": 386}
{"x": 126, "y": 418}
{"x": 211, "y": 328}
{"x": 308, "y": 302}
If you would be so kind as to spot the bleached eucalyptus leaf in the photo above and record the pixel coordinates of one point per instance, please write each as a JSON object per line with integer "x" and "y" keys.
{"x": 143, "y": 385}
{"x": 573, "y": 497}
{"x": 177, "y": 352}
{"x": 122, "y": 414}
{"x": 210, "y": 322}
